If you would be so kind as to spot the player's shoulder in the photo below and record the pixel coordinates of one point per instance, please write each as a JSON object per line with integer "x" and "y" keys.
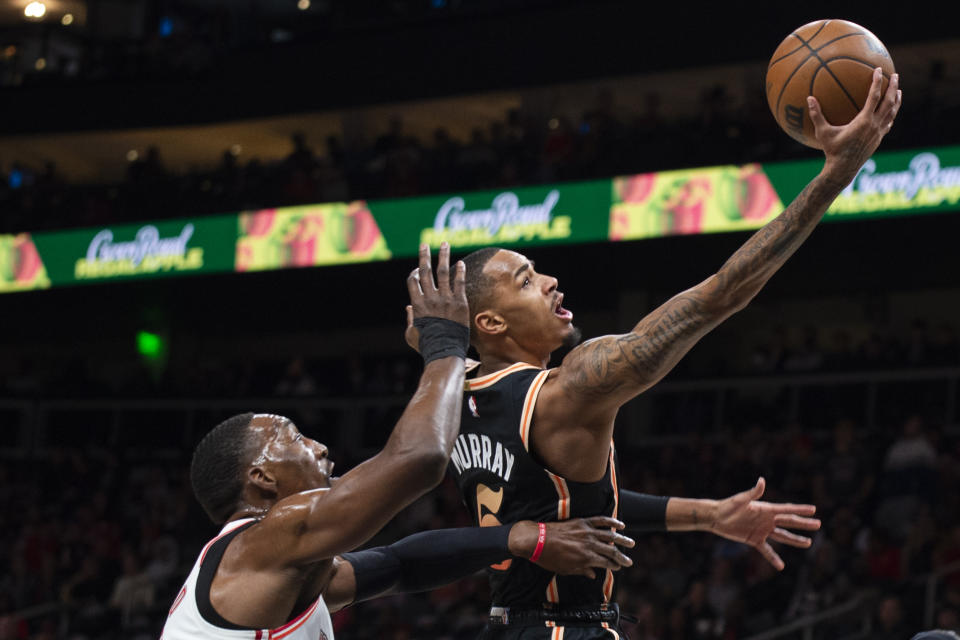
{"x": 284, "y": 520}
{"x": 517, "y": 373}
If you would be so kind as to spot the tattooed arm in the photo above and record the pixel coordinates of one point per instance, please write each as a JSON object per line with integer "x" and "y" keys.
{"x": 596, "y": 378}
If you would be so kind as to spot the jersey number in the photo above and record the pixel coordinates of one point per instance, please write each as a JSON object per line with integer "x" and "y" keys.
{"x": 487, "y": 497}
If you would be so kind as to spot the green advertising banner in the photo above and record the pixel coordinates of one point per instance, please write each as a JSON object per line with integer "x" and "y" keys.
{"x": 123, "y": 252}
{"x": 21, "y": 268}
{"x": 889, "y": 184}
{"x": 308, "y": 236}
{"x": 524, "y": 216}
{"x": 733, "y": 198}
{"x": 650, "y": 205}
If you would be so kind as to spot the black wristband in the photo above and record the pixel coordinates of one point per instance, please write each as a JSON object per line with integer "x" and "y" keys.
{"x": 642, "y": 512}
{"x": 441, "y": 338}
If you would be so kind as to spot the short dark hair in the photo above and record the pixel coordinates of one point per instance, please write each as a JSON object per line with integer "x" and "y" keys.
{"x": 479, "y": 286}
{"x": 216, "y": 471}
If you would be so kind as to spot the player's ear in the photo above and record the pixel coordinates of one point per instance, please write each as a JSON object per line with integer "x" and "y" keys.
{"x": 489, "y": 323}
{"x": 262, "y": 480}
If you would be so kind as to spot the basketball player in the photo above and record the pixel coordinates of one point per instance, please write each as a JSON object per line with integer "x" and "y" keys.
{"x": 287, "y": 520}
{"x": 536, "y": 443}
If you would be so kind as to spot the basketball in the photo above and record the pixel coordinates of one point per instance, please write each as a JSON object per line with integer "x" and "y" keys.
{"x": 832, "y": 60}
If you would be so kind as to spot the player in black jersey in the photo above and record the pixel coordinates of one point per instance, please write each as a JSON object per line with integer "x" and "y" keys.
{"x": 536, "y": 443}
{"x": 276, "y": 567}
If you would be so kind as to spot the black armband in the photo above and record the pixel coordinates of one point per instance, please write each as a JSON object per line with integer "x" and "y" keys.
{"x": 642, "y": 512}
{"x": 427, "y": 560}
{"x": 440, "y": 338}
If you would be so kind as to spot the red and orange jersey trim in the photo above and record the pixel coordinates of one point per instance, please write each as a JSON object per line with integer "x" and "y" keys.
{"x": 296, "y": 623}
{"x": 563, "y": 493}
{"x": 474, "y": 384}
{"x": 553, "y": 592}
{"x": 179, "y": 599}
{"x": 529, "y": 405}
{"x": 608, "y": 580}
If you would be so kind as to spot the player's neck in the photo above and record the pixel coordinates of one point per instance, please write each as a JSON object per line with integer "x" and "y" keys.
{"x": 248, "y": 510}
{"x": 493, "y": 360}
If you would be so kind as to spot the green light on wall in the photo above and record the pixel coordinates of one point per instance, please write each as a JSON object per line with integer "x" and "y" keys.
{"x": 150, "y": 345}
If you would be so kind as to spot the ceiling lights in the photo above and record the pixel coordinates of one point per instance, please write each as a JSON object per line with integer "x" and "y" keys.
{"x": 35, "y": 10}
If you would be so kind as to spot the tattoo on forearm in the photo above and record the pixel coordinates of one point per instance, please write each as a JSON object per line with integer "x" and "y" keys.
{"x": 695, "y": 520}
{"x": 638, "y": 359}
{"x": 608, "y": 364}
{"x": 751, "y": 266}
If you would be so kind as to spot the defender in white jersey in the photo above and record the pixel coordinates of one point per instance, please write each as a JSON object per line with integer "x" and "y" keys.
{"x": 286, "y": 520}
{"x": 192, "y": 615}
{"x": 419, "y": 562}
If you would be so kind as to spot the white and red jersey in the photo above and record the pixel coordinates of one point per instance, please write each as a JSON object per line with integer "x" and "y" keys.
{"x": 192, "y": 617}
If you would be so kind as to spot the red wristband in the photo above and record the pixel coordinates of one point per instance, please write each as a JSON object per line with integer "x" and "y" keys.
{"x": 541, "y": 539}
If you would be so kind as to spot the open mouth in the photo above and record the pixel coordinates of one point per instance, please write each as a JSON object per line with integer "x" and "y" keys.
{"x": 560, "y": 312}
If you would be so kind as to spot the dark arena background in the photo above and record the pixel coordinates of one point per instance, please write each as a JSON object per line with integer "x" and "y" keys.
{"x": 213, "y": 121}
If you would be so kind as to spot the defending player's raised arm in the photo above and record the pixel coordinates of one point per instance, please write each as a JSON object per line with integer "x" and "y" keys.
{"x": 319, "y": 524}
{"x": 605, "y": 372}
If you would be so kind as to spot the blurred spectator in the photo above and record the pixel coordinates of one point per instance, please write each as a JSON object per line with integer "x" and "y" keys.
{"x": 890, "y": 625}
{"x": 133, "y": 592}
{"x": 722, "y": 589}
{"x": 558, "y": 149}
{"x": 146, "y": 171}
{"x": 883, "y": 557}
{"x": 298, "y": 184}
{"x": 87, "y": 592}
{"x": 700, "y": 621}
{"x": 848, "y": 476}
{"x": 948, "y": 618}
{"x": 908, "y": 474}
{"x": 919, "y": 545}
{"x": 301, "y": 158}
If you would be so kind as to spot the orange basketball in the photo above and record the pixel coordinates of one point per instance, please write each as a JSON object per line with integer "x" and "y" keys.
{"x": 832, "y": 60}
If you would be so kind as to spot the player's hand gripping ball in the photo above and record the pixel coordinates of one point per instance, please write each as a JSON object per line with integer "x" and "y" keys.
{"x": 831, "y": 60}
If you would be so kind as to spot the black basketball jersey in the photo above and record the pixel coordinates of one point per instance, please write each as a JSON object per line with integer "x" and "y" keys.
{"x": 502, "y": 482}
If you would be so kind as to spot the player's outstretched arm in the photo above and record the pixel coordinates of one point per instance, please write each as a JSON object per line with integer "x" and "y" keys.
{"x": 603, "y": 373}
{"x": 432, "y": 559}
{"x": 742, "y": 517}
{"x": 314, "y": 525}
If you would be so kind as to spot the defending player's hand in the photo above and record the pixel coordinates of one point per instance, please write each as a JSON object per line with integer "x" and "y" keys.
{"x": 411, "y": 334}
{"x": 847, "y": 147}
{"x": 744, "y": 518}
{"x": 412, "y": 337}
{"x": 436, "y": 298}
{"x": 576, "y": 547}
